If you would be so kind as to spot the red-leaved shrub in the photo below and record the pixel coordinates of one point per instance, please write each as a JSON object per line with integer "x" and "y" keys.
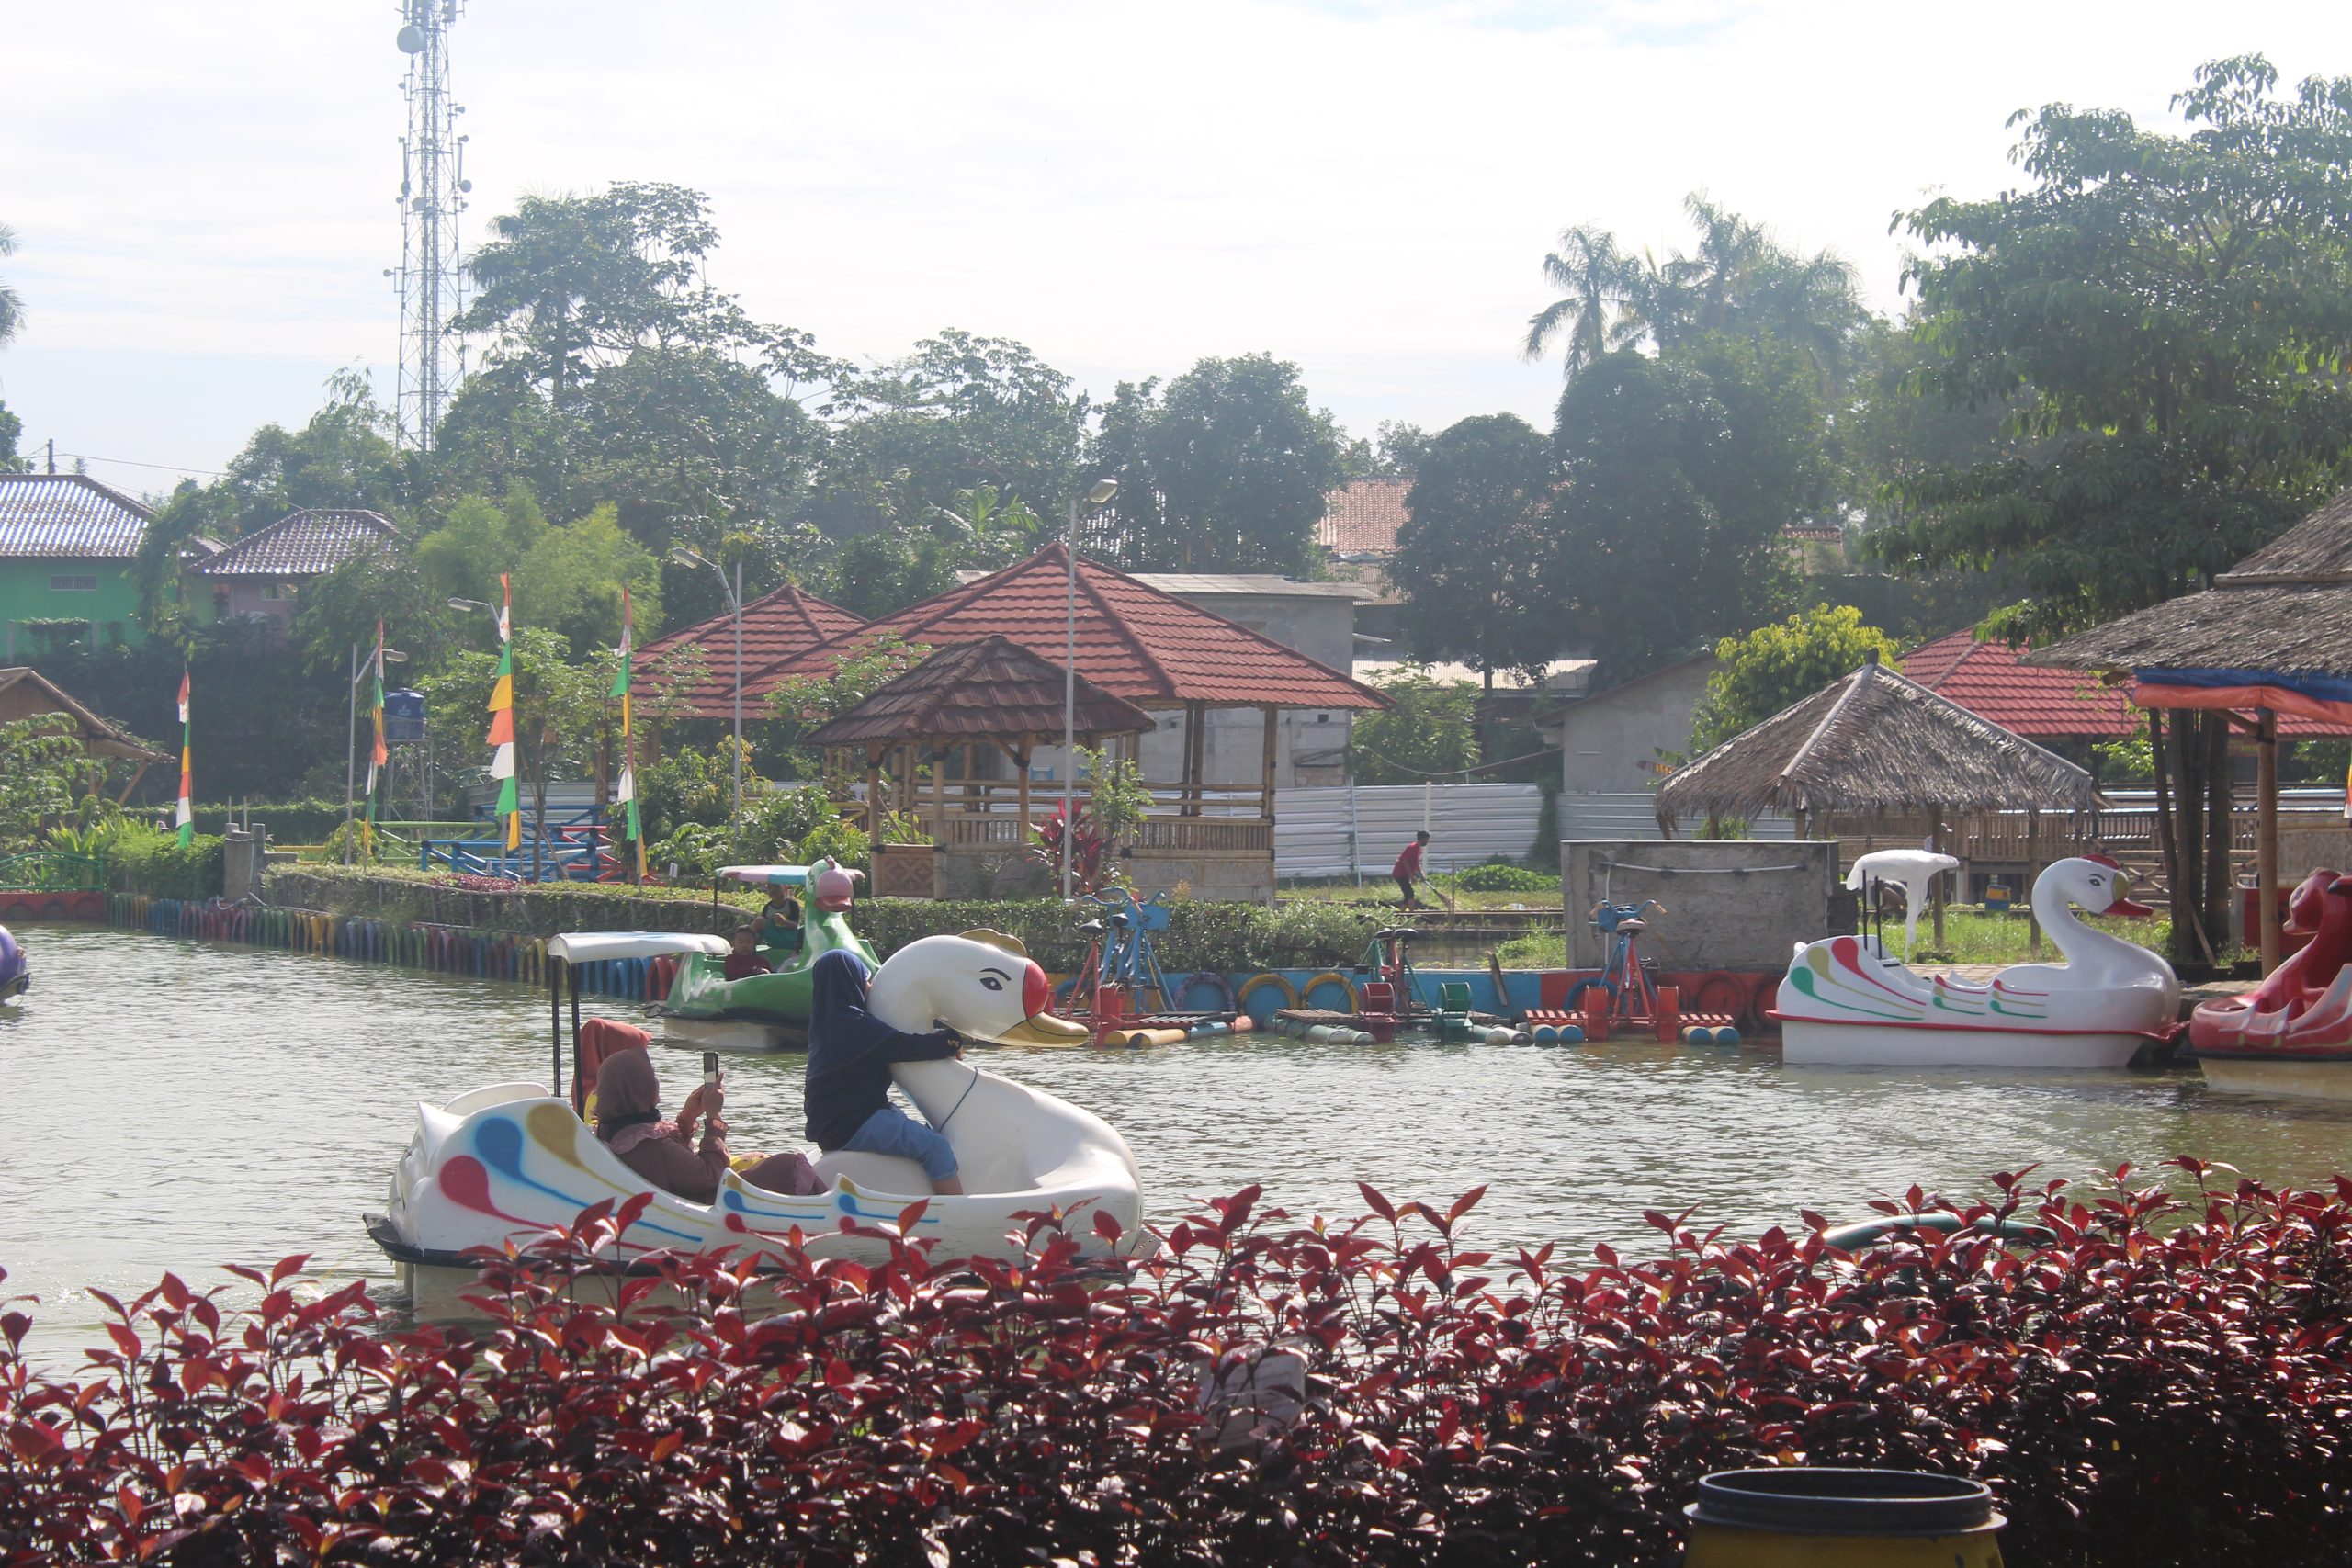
{"x": 2156, "y": 1382}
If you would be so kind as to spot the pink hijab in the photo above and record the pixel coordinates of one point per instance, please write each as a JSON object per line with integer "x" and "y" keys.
{"x": 627, "y": 1087}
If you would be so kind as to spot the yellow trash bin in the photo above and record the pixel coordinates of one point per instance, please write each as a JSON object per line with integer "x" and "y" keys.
{"x": 1800, "y": 1517}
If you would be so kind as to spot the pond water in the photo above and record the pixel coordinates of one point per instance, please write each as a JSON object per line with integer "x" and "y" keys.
{"x": 177, "y": 1104}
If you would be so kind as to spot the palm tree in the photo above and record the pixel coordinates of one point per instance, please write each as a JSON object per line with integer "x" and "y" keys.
{"x": 1814, "y": 303}
{"x": 12, "y": 308}
{"x": 1596, "y": 280}
{"x": 1730, "y": 248}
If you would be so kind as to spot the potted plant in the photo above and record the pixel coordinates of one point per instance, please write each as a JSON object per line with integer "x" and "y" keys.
{"x": 906, "y": 861}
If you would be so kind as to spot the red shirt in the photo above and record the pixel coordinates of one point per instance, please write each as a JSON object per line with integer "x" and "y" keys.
{"x": 1409, "y": 863}
{"x": 742, "y": 965}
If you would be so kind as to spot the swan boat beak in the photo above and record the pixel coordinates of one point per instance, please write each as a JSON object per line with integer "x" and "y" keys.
{"x": 1044, "y": 1028}
{"x": 2125, "y": 907}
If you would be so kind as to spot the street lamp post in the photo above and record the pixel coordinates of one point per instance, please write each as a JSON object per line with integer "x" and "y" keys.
{"x": 351, "y": 744}
{"x": 1102, "y": 491}
{"x": 685, "y": 556}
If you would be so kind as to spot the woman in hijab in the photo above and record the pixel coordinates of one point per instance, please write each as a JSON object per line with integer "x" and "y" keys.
{"x": 848, "y": 1093}
{"x": 629, "y": 1117}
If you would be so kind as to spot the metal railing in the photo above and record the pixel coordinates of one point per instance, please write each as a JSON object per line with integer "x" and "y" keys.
{"x": 53, "y": 870}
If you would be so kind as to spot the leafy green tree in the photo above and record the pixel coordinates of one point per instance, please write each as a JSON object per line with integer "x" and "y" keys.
{"x": 339, "y": 612}
{"x": 2168, "y": 317}
{"x": 563, "y": 712}
{"x": 807, "y": 703}
{"x": 617, "y": 373}
{"x": 1227, "y": 469}
{"x": 960, "y": 416}
{"x": 12, "y": 431}
{"x": 1429, "y": 726}
{"x": 1475, "y": 520}
{"x": 1678, "y": 475}
{"x": 480, "y": 539}
{"x": 570, "y": 579}
{"x": 48, "y": 781}
{"x": 1776, "y": 666}
{"x": 1738, "y": 278}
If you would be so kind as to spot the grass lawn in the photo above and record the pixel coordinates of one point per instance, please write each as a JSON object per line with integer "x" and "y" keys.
{"x": 1381, "y": 893}
{"x": 1971, "y": 936}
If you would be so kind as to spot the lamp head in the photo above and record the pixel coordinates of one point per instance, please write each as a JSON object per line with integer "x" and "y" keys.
{"x": 1103, "y": 490}
{"x": 463, "y": 605}
{"x": 685, "y": 556}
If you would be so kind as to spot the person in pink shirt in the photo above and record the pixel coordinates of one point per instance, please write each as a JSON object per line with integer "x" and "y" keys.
{"x": 1407, "y": 869}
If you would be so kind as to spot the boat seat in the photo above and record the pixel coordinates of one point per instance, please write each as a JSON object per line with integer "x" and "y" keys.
{"x": 874, "y": 1173}
{"x": 1091, "y": 928}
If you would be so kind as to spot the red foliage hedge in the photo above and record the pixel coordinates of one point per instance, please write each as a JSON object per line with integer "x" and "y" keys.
{"x": 2160, "y": 1382}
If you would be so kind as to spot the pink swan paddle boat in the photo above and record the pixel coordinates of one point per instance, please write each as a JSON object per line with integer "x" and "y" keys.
{"x": 2291, "y": 1036}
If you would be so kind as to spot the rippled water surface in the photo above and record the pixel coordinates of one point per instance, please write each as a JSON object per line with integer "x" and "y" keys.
{"x": 176, "y": 1104}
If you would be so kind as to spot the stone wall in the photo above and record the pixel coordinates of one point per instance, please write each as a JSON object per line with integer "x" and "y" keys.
{"x": 1730, "y": 904}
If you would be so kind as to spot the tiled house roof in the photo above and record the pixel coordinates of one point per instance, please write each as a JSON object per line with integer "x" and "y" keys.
{"x": 68, "y": 516}
{"x": 776, "y": 627}
{"x": 1134, "y": 640}
{"x": 309, "y": 543}
{"x": 992, "y": 688}
{"x": 1987, "y": 679}
{"x": 1363, "y": 517}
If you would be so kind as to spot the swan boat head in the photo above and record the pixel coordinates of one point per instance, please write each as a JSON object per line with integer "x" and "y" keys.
{"x": 2093, "y": 884}
{"x": 831, "y": 885}
{"x": 982, "y": 983}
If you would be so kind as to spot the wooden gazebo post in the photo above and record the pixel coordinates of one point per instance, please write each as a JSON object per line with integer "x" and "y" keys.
{"x": 2266, "y": 832}
{"x": 1936, "y": 888}
{"x": 1266, "y": 781}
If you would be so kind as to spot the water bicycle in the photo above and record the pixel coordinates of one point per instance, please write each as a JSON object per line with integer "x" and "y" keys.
{"x": 1121, "y": 967}
{"x": 2291, "y": 1036}
{"x": 765, "y": 1012}
{"x": 507, "y": 1162}
{"x": 15, "y": 979}
{"x": 1844, "y": 1001}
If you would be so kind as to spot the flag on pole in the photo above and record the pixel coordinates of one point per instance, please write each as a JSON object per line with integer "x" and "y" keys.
{"x": 626, "y": 795}
{"x": 186, "y": 814}
{"x": 502, "y": 719}
{"x": 377, "y": 754}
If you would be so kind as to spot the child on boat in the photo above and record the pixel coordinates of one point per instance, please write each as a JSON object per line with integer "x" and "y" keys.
{"x": 848, "y": 1094}
{"x": 744, "y": 961}
{"x": 780, "y": 930}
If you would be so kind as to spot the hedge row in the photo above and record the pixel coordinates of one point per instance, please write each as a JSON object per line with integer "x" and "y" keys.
{"x": 1201, "y": 934}
{"x": 2145, "y": 1382}
{"x": 153, "y": 864}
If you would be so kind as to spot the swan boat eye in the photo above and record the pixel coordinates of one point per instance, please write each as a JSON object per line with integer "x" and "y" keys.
{"x": 992, "y": 978}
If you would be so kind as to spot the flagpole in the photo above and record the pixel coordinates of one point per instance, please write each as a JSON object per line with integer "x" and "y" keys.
{"x": 187, "y": 812}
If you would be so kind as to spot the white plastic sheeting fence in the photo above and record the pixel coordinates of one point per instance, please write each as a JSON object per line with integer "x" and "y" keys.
{"x": 1360, "y": 828}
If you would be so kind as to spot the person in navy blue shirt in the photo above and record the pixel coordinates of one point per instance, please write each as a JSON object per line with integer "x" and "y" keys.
{"x": 847, "y": 1097}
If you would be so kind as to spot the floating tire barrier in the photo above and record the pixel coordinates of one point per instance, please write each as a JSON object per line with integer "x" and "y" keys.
{"x": 1706, "y": 1034}
{"x": 1250, "y": 987}
{"x": 1320, "y": 986}
{"x": 1223, "y": 1002}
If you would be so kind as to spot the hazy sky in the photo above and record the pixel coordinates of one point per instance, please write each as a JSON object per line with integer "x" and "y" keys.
{"x": 204, "y": 195}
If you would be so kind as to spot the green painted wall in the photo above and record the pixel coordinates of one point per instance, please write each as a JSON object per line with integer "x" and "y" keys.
{"x": 25, "y": 595}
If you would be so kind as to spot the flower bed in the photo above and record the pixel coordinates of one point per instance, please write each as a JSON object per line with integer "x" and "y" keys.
{"x": 2158, "y": 1382}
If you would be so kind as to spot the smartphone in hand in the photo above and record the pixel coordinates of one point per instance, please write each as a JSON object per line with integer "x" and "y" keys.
{"x": 710, "y": 1068}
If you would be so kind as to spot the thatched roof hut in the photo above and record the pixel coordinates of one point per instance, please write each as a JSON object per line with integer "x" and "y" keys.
{"x": 1873, "y": 743}
{"x": 2284, "y": 610}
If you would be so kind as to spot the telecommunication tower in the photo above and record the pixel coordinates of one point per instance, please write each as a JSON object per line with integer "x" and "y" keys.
{"x": 432, "y": 274}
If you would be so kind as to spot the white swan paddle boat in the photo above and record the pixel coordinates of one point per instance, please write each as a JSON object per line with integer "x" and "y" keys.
{"x": 1843, "y": 1000}
{"x": 509, "y": 1162}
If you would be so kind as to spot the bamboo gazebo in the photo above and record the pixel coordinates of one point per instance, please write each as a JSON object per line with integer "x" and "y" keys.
{"x": 1867, "y": 750}
{"x": 2272, "y": 636}
{"x": 992, "y": 695}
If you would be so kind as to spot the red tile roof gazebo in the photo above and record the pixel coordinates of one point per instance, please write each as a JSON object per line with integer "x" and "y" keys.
{"x": 1987, "y": 679}
{"x": 777, "y": 625}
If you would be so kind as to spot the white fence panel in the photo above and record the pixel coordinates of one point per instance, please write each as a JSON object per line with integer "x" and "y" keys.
{"x": 1361, "y": 829}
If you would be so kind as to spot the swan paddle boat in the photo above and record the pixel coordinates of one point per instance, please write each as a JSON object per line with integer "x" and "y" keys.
{"x": 2291, "y": 1036}
{"x": 14, "y": 978}
{"x": 507, "y": 1162}
{"x": 1843, "y": 1001}
{"x": 765, "y": 1012}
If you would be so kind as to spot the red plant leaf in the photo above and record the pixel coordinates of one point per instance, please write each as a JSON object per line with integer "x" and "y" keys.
{"x": 1375, "y": 1201}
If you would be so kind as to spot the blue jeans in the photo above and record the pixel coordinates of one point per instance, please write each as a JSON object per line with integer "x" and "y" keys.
{"x": 891, "y": 1130}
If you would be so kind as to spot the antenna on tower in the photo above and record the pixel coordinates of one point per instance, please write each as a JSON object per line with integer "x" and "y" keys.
{"x": 432, "y": 274}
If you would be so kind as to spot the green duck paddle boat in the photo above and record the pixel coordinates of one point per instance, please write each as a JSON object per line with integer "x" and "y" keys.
{"x": 766, "y": 1013}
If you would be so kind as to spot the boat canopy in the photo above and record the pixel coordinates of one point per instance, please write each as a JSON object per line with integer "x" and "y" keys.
{"x": 775, "y": 875}
{"x": 590, "y": 947}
